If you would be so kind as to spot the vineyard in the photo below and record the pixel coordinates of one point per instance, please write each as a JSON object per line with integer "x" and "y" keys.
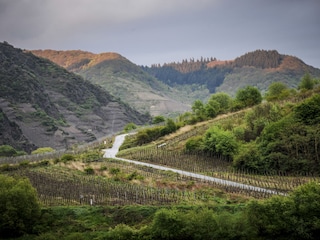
{"x": 85, "y": 179}
{"x": 170, "y": 152}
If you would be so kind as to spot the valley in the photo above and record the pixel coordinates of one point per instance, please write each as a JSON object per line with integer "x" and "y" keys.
{"x": 234, "y": 163}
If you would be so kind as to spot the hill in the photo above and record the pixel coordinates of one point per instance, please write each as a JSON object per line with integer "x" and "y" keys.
{"x": 44, "y": 105}
{"x": 258, "y": 68}
{"x": 123, "y": 79}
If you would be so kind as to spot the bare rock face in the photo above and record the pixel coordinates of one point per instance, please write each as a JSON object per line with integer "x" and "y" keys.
{"x": 44, "y": 105}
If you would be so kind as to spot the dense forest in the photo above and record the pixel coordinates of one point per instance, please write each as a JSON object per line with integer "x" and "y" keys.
{"x": 193, "y": 72}
{"x": 259, "y": 59}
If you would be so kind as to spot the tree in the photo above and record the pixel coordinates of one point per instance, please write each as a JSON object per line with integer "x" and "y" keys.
{"x": 248, "y": 96}
{"x": 309, "y": 110}
{"x": 307, "y": 83}
{"x": 277, "y": 91}
{"x": 198, "y": 109}
{"x": 224, "y": 101}
{"x": 212, "y": 108}
{"x": 219, "y": 141}
{"x": 19, "y": 207}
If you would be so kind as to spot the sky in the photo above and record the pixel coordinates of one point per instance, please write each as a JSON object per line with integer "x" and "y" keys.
{"x": 161, "y": 31}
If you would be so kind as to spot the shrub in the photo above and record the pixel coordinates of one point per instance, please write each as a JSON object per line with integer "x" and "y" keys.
{"x": 7, "y": 151}
{"x": 89, "y": 170}
{"x": 194, "y": 144}
{"x": 129, "y": 127}
{"x": 67, "y": 157}
{"x": 43, "y": 150}
{"x": 218, "y": 141}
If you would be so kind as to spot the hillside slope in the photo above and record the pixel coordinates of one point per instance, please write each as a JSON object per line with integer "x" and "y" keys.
{"x": 258, "y": 68}
{"x": 123, "y": 79}
{"x": 42, "y": 104}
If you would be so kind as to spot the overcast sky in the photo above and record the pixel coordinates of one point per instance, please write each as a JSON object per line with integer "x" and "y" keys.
{"x": 158, "y": 31}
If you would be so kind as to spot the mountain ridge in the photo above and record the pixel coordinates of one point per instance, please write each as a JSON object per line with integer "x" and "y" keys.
{"x": 49, "y": 106}
{"x": 119, "y": 76}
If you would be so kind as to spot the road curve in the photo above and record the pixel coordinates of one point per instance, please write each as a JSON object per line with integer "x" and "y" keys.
{"x": 112, "y": 152}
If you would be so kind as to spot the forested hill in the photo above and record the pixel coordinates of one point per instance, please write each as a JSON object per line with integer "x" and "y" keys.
{"x": 44, "y": 105}
{"x": 193, "y": 72}
{"x": 258, "y": 68}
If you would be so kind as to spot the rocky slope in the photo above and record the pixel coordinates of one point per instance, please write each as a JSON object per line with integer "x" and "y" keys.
{"x": 42, "y": 104}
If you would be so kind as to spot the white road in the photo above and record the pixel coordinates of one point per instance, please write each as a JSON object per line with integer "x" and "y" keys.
{"x": 112, "y": 152}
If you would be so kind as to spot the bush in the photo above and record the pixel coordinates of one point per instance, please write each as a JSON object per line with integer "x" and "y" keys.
{"x": 19, "y": 207}
{"x": 218, "y": 141}
{"x": 89, "y": 170}
{"x": 121, "y": 232}
{"x": 43, "y": 150}
{"x": 67, "y": 157}
{"x": 194, "y": 144}
{"x": 7, "y": 151}
{"x": 294, "y": 217}
{"x": 158, "y": 119}
{"x": 129, "y": 127}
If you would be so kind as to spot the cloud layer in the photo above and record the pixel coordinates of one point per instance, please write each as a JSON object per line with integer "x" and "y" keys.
{"x": 157, "y": 31}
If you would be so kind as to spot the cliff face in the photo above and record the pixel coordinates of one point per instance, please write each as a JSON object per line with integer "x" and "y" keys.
{"x": 42, "y": 104}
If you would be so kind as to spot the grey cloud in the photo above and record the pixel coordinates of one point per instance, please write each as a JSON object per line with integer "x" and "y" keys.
{"x": 152, "y": 31}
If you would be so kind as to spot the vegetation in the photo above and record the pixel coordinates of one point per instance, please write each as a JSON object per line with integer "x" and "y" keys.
{"x": 269, "y": 141}
{"x": 19, "y": 207}
{"x": 43, "y": 150}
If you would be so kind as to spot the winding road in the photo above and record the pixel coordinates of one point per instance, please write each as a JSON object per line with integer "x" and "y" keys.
{"x": 112, "y": 152}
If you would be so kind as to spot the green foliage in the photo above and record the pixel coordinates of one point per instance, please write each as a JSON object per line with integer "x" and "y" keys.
{"x": 129, "y": 127}
{"x": 219, "y": 141}
{"x": 288, "y": 145}
{"x": 198, "y": 108}
{"x": 248, "y": 96}
{"x": 67, "y": 157}
{"x": 194, "y": 144}
{"x": 19, "y": 207}
{"x": 158, "y": 119}
{"x": 224, "y": 102}
{"x": 212, "y": 108}
{"x": 259, "y": 117}
{"x": 149, "y": 134}
{"x": 170, "y": 127}
{"x": 249, "y": 157}
{"x": 167, "y": 224}
{"x": 89, "y": 170}
{"x": 307, "y": 83}
{"x": 293, "y": 217}
{"x": 199, "y": 224}
{"x": 91, "y": 156}
{"x": 43, "y": 150}
{"x": 153, "y": 133}
{"x": 7, "y": 151}
{"x": 308, "y": 111}
{"x": 277, "y": 91}
{"x": 121, "y": 232}
{"x": 115, "y": 171}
